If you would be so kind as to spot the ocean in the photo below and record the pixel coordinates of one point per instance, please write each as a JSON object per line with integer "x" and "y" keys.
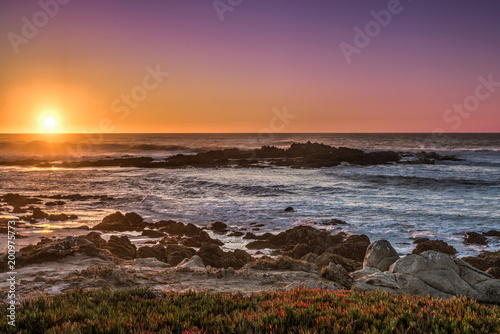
{"x": 396, "y": 202}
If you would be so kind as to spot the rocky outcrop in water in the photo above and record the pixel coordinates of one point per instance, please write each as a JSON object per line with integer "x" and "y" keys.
{"x": 424, "y": 244}
{"x": 298, "y": 155}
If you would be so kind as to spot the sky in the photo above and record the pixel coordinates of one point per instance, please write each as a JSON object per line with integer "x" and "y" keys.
{"x": 167, "y": 66}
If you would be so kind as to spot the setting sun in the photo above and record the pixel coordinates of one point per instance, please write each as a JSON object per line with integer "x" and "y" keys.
{"x": 49, "y": 122}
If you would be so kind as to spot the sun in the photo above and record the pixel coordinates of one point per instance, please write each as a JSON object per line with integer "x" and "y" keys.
{"x": 49, "y": 122}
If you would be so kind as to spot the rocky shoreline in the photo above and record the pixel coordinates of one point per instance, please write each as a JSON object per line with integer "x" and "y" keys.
{"x": 184, "y": 256}
{"x": 298, "y": 155}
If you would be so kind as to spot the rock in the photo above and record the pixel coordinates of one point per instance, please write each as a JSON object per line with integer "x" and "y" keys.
{"x": 492, "y": 233}
{"x": 289, "y": 209}
{"x": 194, "y": 263}
{"x": 381, "y": 255}
{"x": 39, "y": 214}
{"x": 122, "y": 247}
{"x": 436, "y": 245}
{"x": 202, "y": 239}
{"x": 18, "y": 209}
{"x": 156, "y": 251}
{"x": 300, "y": 250}
{"x": 494, "y": 271}
{"x": 309, "y": 257}
{"x": 119, "y": 222}
{"x": 354, "y": 247}
{"x": 371, "y": 279}
{"x": 235, "y": 234}
{"x": 473, "y": 238}
{"x": 19, "y": 200}
{"x": 176, "y": 253}
{"x": 337, "y": 273}
{"x": 334, "y": 222}
{"x": 450, "y": 276}
{"x": 213, "y": 256}
{"x": 96, "y": 239}
{"x": 152, "y": 234}
{"x": 218, "y": 227}
{"x": 484, "y": 261}
{"x": 348, "y": 264}
{"x": 282, "y": 263}
{"x": 55, "y": 203}
{"x": 433, "y": 273}
{"x": 150, "y": 262}
{"x": 58, "y": 217}
{"x": 300, "y": 234}
{"x": 47, "y": 250}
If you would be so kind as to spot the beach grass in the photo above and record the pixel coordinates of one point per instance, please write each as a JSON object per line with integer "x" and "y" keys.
{"x": 296, "y": 311}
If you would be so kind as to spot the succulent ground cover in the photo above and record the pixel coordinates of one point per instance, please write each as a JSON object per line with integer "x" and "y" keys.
{"x": 296, "y": 311}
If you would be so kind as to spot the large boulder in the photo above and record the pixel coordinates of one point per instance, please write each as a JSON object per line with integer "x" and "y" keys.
{"x": 122, "y": 247}
{"x": 381, "y": 255}
{"x": 433, "y": 273}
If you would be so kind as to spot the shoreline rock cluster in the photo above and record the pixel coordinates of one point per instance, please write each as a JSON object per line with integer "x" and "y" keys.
{"x": 185, "y": 256}
{"x": 298, "y": 155}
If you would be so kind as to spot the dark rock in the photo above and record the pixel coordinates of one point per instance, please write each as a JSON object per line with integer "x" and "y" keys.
{"x": 96, "y": 239}
{"x": 264, "y": 236}
{"x": 58, "y": 217}
{"x": 213, "y": 256}
{"x": 122, "y": 247}
{"x": 334, "y": 222}
{"x": 289, "y": 209}
{"x": 18, "y": 209}
{"x": 300, "y": 250}
{"x": 152, "y": 234}
{"x": 281, "y": 264}
{"x": 176, "y": 253}
{"x": 354, "y": 247}
{"x": 119, "y": 222}
{"x": 218, "y": 227}
{"x": 473, "y": 238}
{"x": 19, "y": 200}
{"x": 39, "y": 214}
{"x": 435, "y": 245}
{"x": 494, "y": 271}
{"x": 492, "y": 233}
{"x": 203, "y": 238}
{"x": 484, "y": 261}
{"x": 235, "y": 234}
{"x": 156, "y": 251}
{"x": 348, "y": 264}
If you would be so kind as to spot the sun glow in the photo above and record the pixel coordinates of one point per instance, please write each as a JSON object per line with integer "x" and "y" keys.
{"x": 49, "y": 122}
